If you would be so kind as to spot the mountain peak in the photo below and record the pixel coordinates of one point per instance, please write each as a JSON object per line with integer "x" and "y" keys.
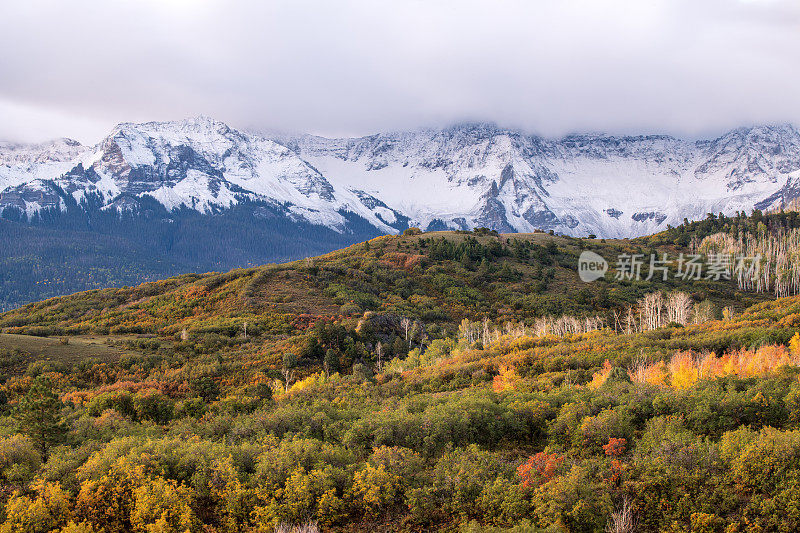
{"x": 194, "y": 125}
{"x": 204, "y": 121}
{"x": 762, "y": 130}
{"x": 474, "y": 126}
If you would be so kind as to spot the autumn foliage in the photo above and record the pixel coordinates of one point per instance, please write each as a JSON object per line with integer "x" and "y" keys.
{"x": 687, "y": 367}
{"x": 370, "y": 391}
{"x": 539, "y": 468}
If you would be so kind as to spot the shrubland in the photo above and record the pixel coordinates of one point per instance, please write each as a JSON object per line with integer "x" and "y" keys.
{"x": 454, "y": 381}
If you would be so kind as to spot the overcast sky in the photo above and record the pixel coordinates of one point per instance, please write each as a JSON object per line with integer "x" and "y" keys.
{"x": 686, "y": 67}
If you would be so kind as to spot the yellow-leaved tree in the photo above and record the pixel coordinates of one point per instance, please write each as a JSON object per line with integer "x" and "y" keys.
{"x": 794, "y": 345}
{"x": 47, "y": 512}
{"x": 232, "y": 499}
{"x": 163, "y": 506}
{"x": 375, "y": 490}
{"x": 81, "y": 527}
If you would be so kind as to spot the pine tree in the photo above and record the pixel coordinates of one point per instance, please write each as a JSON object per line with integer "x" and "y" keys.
{"x": 38, "y": 415}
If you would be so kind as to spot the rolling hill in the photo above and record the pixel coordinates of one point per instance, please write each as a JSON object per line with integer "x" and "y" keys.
{"x": 158, "y": 199}
{"x": 454, "y": 381}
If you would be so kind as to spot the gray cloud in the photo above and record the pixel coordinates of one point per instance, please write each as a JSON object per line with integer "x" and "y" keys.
{"x": 689, "y": 67}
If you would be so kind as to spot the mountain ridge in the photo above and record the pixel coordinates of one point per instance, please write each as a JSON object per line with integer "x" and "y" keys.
{"x": 465, "y": 175}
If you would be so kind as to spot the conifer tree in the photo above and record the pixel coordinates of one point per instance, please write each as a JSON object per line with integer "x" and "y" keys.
{"x": 38, "y": 415}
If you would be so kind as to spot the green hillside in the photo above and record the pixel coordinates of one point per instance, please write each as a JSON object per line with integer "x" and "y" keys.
{"x": 441, "y": 381}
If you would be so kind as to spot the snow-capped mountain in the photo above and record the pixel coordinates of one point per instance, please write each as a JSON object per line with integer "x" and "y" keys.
{"x": 472, "y": 175}
{"x": 199, "y": 164}
{"x": 460, "y": 177}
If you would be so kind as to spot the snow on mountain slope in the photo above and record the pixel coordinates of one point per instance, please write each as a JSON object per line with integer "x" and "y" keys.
{"x": 611, "y": 186}
{"x": 198, "y": 163}
{"x": 635, "y": 186}
{"x": 21, "y": 163}
{"x": 459, "y": 177}
{"x": 452, "y": 176}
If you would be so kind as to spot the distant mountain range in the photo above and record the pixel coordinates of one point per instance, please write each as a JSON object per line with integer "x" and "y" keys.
{"x": 199, "y": 195}
{"x": 460, "y": 177}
